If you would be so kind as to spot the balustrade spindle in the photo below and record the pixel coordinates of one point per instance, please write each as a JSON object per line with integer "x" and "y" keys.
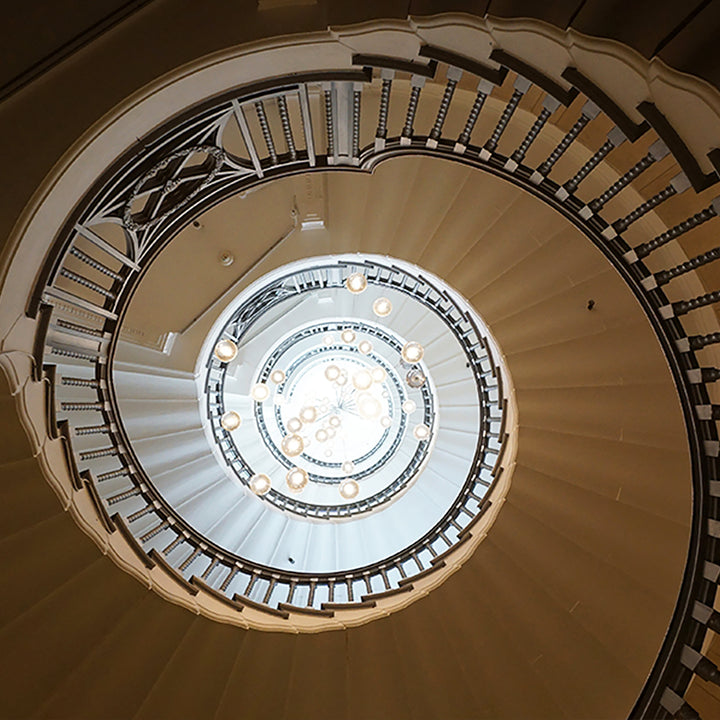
{"x": 683, "y": 307}
{"x": 484, "y": 88}
{"x": 84, "y": 257}
{"x": 84, "y": 282}
{"x": 589, "y": 112}
{"x": 287, "y": 127}
{"x": 615, "y": 138}
{"x": 665, "y": 276}
{"x": 550, "y": 105}
{"x": 381, "y": 133}
{"x": 657, "y": 151}
{"x": 265, "y": 127}
{"x": 644, "y": 249}
{"x": 453, "y": 77}
{"x": 417, "y": 82}
{"x": 677, "y": 185}
{"x": 521, "y": 86}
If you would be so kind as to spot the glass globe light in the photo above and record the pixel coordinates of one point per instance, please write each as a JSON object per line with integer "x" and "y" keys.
{"x": 292, "y": 445}
{"x": 328, "y": 453}
{"x": 334, "y": 421}
{"x": 348, "y": 335}
{"x": 296, "y": 479}
{"x": 412, "y": 352}
{"x": 362, "y": 380}
{"x": 349, "y": 489}
{"x": 368, "y": 406}
{"x": 260, "y": 484}
{"x": 294, "y": 424}
{"x": 308, "y": 414}
{"x": 385, "y": 421}
{"x": 378, "y": 374}
{"x": 230, "y": 420}
{"x": 365, "y": 347}
{"x": 356, "y": 283}
{"x": 225, "y": 350}
{"x": 321, "y": 435}
{"x": 382, "y": 307}
{"x": 409, "y": 406}
{"x": 330, "y": 432}
{"x": 277, "y": 376}
{"x": 415, "y": 378}
{"x": 342, "y": 379}
{"x": 421, "y": 432}
{"x": 328, "y": 339}
{"x": 348, "y": 467}
{"x": 260, "y": 392}
{"x": 332, "y": 372}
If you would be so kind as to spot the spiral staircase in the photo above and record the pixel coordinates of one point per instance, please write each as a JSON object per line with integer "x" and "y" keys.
{"x": 573, "y": 205}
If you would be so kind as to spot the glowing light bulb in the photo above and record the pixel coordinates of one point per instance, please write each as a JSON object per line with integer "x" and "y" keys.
{"x": 356, "y": 283}
{"x": 368, "y": 406}
{"x": 328, "y": 339}
{"x": 225, "y": 350}
{"x": 294, "y": 424}
{"x": 308, "y": 414}
{"x": 378, "y": 374}
{"x": 334, "y": 421}
{"x": 260, "y": 484}
{"x": 365, "y": 347}
{"x": 260, "y": 392}
{"x": 292, "y": 445}
{"x": 349, "y": 489}
{"x": 230, "y": 420}
{"x": 330, "y": 432}
{"x": 421, "y": 432}
{"x": 362, "y": 380}
{"x": 385, "y": 421}
{"x": 412, "y": 352}
{"x": 382, "y": 307}
{"x": 409, "y": 406}
{"x": 332, "y": 372}
{"x": 348, "y": 467}
{"x": 348, "y": 336}
{"x": 342, "y": 379}
{"x": 277, "y": 376}
{"x": 296, "y": 479}
{"x": 321, "y": 435}
{"x": 415, "y": 378}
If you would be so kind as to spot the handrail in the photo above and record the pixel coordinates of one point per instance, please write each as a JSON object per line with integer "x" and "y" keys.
{"x": 107, "y": 297}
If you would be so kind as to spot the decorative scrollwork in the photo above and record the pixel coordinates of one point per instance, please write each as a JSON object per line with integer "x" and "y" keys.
{"x": 170, "y": 184}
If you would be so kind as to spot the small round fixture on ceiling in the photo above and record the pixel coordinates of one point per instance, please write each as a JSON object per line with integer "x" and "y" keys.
{"x": 260, "y": 484}
{"x": 356, "y": 283}
{"x": 277, "y": 376}
{"x": 332, "y": 372}
{"x": 421, "y": 432}
{"x": 331, "y": 432}
{"x": 296, "y": 479}
{"x": 349, "y": 489}
{"x": 294, "y": 424}
{"x": 415, "y": 378}
{"x": 365, "y": 347}
{"x": 362, "y": 380}
{"x": 308, "y": 414}
{"x": 225, "y": 350}
{"x": 382, "y": 307}
{"x": 328, "y": 339}
{"x": 348, "y": 336}
{"x": 348, "y": 467}
{"x": 226, "y": 258}
{"x": 378, "y": 374}
{"x": 321, "y": 435}
{"x": 260, "y": 392}
{"x": 342, "y": 379}
{"x": 334, "y": 421}
{"x": 292, "y": 445}
{"x": 230, "y": 420}
{"x": 412, "y": 352}
{"x": 409, "y": 407}
{"x": 385, "y": 421}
